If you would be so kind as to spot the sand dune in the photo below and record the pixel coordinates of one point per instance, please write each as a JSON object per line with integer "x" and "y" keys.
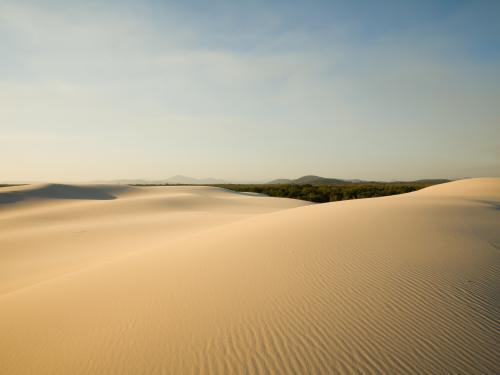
{"x": 59, "y": 191}
{"x": 49, "y": 230}
{"x": 174, "y": 280}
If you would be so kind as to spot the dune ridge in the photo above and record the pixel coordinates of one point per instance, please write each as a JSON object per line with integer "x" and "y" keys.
{"x": 203, "y": 280}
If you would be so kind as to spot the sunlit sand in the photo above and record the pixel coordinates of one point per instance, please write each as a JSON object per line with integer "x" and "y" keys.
{"x": 102, "y": 279}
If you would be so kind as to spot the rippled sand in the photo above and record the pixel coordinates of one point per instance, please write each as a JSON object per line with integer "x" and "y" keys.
{"x": 173, "y": 280}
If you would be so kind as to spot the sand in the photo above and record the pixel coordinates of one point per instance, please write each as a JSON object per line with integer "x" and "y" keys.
{"x": 178, "y": 280}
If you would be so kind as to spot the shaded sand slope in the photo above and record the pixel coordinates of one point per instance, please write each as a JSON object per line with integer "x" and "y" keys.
{"x": 402, "y": 284}
{"x": 59, "y": 191}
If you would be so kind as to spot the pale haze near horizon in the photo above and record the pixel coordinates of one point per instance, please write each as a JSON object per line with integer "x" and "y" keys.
{"x": 377, "y": 90}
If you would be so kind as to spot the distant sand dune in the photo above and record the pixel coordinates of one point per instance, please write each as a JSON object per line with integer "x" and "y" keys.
{"x": 202, "y": 280}
{"x": 60, "y": 191}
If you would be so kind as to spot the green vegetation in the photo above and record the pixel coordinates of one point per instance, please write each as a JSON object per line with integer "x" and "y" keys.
{"x": 329, "y": 193}
{"x": 326, "y": 193}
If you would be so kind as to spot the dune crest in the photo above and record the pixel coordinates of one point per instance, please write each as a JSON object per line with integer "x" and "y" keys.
{"x": 208, "y": 281}
{"x": 483, "y": 188}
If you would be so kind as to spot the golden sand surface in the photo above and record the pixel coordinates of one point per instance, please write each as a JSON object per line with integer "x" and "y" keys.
{"x": 101, "y": 279}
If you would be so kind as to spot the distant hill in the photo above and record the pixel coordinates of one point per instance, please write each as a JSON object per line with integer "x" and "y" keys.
{"x": 304, "y": 180}
{"x": 309, "y": 180}
{"x": 178, "y": 179}
{"x": 318, "y": 180}
{"x": 280, "y": 181}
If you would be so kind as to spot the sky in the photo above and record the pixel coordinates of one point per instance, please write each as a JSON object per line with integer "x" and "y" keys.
{"x": 249, "y": 90}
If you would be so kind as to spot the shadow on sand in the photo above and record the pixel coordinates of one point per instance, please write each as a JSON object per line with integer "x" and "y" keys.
{"x": 57, "y": 191}
{"x": 493, "y": 204}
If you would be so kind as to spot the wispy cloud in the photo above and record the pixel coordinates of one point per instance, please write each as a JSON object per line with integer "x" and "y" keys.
{"x": 251, "y": 91}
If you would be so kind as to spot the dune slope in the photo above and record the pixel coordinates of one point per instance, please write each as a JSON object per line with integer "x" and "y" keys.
{"x": 402, "y": 284}
{"x": 49, "y": 230}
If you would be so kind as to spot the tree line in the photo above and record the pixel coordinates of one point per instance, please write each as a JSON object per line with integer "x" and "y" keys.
{"x": 327, "y": 193}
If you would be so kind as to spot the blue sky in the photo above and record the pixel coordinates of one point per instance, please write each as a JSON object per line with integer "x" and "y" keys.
{"x": 249, "y": 90}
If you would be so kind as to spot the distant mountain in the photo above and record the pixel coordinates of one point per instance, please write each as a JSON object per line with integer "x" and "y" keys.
{"x": 309, "y": 180}
{"x": 304, "y": 180}
{"x": 280, "y": 181}
{"x": 179, "y": 179}
{"x": 317, "y": 180}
